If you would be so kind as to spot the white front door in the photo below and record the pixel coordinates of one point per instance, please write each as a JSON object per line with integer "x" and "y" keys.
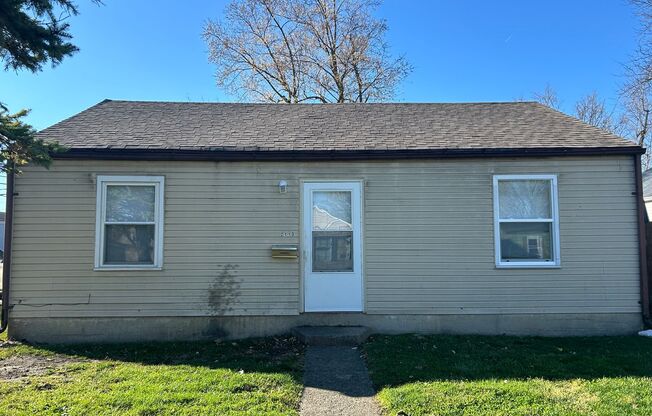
{"x": 332, "y": 244}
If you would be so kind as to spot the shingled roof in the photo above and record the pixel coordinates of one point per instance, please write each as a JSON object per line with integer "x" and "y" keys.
{"x": 136, "y": 129}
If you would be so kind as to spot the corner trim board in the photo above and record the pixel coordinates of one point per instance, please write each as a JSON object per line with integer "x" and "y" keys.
{"x": 642, "y": 241}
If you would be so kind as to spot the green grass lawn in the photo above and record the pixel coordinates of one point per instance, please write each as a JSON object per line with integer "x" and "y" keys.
{"x": 474, "y": 375}
{"x": 260, "y": 377}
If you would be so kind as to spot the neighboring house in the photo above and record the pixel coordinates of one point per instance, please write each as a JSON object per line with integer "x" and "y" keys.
{"x": 2, "y": 231}
{"x": 161, "y": 221}
{"x": 647, "y": 192}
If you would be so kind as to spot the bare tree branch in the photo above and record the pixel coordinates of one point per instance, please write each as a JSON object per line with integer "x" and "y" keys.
{"x": 592, "y": 110}
{"x": 637, "y": 91}
{"x": 296, "y": 51}
{"x": 255, "y": 37}
{"x": 548, "y": 97}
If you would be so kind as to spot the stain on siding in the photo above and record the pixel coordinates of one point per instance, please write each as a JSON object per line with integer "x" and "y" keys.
{"x": 224, "y": 291}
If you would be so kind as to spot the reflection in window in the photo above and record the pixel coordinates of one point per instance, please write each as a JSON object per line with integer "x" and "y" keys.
{"x": 129, "y": 244}
{"x": 331, "y": 211}
{"x": 332, "y": 232}
{"x": 332, "y": 251}
{"x": 130, "y": 203}
{"x": 525, "y": 241}
{"x": 524, "y": 199}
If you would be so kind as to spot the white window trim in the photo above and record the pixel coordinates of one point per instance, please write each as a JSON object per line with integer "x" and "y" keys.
{"x": 100, "y": 214}
{"x": 556, "y": 252}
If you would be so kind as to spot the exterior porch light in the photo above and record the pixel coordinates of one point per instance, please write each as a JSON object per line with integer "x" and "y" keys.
{"x": 283, "y": 186}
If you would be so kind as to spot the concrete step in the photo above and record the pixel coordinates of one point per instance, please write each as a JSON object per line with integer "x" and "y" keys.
{"x": 332, "y": 335}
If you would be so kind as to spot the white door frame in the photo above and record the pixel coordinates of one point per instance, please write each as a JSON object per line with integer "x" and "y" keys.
{"x": 332, "y": 291}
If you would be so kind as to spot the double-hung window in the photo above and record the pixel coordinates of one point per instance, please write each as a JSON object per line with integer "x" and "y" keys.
{"x": 129, "y": 224}
{"x": 526, "y": 222}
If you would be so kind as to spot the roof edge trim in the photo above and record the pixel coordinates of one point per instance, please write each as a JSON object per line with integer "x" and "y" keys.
{"x": 307, "y": 155}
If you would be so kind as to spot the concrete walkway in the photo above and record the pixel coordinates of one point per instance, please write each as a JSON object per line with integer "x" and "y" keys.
{"x": 337, "y": 383}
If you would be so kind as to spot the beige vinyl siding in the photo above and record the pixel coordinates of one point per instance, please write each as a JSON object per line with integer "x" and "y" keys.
{"x": 427, "y": 236}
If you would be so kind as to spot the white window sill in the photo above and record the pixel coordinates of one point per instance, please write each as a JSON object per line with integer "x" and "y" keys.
{"x": 528, "y": 266}
{"x": 127, "y": 269}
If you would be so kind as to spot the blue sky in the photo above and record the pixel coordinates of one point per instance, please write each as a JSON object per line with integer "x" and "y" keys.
{"x": 460, "y": 50}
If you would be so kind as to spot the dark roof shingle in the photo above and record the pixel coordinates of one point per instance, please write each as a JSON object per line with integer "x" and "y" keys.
{"x": 325, "y": 127}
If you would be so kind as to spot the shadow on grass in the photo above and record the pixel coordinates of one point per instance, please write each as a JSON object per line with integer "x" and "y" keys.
{"x": 267, "y": 355}
{"x": 396, "y": 360}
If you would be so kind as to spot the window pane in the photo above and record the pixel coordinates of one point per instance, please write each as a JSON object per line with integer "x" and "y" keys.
{"x": 525, "y": 241}
{"x": 332, "y": 251}
{"x": 130, "y": 203}
{"x": 521, "y": 199}
{"x": 129, "y": 244}
{"x": 331, "y": 211}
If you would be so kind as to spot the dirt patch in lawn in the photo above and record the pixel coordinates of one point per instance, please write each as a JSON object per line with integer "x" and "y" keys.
{"x": 20, "y": 366}
{"x": 272, "y": 348}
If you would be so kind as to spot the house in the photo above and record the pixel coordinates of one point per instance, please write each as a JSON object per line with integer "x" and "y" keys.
{"x": 2, "y": 231}
{"x": 202, "y": 220}
{"x": 647, "y": 192}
